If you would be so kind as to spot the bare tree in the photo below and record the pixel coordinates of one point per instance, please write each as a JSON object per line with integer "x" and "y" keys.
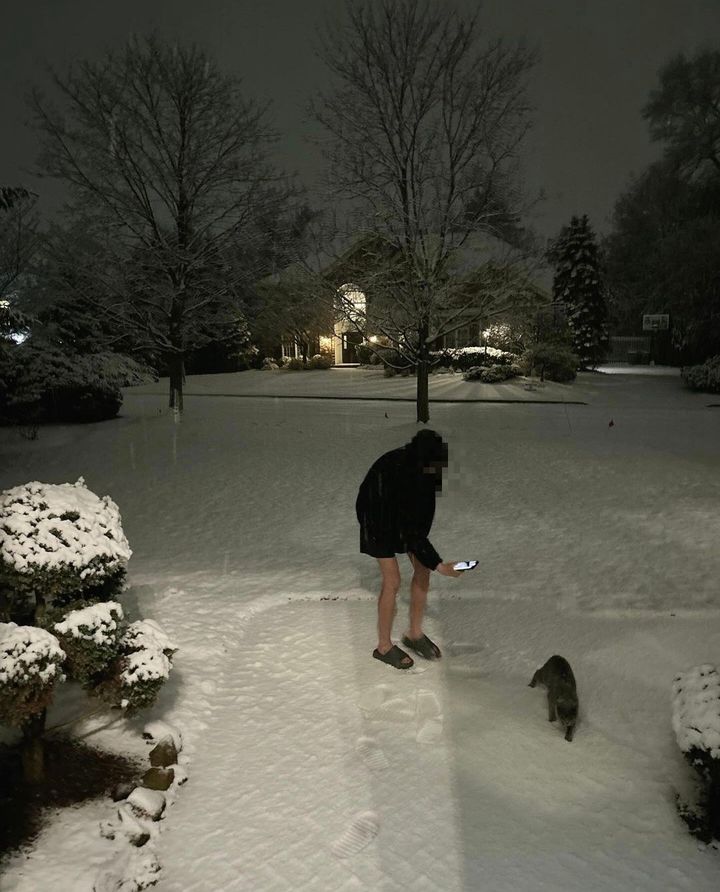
{"x": 423, "y": 130}
{"x": 172, "y": 159}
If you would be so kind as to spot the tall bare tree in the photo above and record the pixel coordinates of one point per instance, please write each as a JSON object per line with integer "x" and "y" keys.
{"x": 423, "y": 128}
{"x": 172, "y": 159}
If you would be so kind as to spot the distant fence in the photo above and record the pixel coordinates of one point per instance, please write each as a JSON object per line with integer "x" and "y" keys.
{"x": 629, "y": 349}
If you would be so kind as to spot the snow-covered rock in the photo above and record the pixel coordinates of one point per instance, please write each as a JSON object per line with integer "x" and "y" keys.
{"x": 147, "y": 802}
{"x": 158, "y": 730}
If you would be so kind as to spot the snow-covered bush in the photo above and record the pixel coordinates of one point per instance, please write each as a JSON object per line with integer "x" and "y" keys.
{"x": 552, "y": 361}
{"x": 63, "y": 555}
{"x": 464, "y": 358}
{"x": 31, "y": 662}
{"x": 295, "y": 364}
{"x": 59, "y": 544}
{"x": 42, "y": 384}
{"x": 705, "y": 377}
{"x": 696, "y": 722}
{"x": 142, "y": 668}
{"x": 91, "y": 639}
{"x": 491, "y": 375}
{"x": 318, "y": 361}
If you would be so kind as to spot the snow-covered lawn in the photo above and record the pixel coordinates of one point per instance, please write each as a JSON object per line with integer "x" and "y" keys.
{"x": 312, "y": 766}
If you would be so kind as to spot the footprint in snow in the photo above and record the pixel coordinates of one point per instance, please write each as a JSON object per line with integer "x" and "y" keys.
{"x": 464, "y": 648}
{"x": 429, "y": 718}
{"x": 360, "y": 832}
{"x": 371, "y": 754}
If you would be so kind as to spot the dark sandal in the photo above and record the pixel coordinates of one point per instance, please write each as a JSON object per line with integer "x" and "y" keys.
{"x": 394, "y": 657}
{"x": 423, "y": 646}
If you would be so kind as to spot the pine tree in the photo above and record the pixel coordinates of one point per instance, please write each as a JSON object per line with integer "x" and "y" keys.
{"x": 577, "y": 285}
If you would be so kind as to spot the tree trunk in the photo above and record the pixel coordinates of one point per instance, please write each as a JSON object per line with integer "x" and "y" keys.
{"x": 423, "y": 367}
{"x": 33, "y": 750}
{"x": 177, "y": 378}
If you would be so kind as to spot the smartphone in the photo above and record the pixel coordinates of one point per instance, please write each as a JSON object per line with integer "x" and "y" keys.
{"x": 465, "y": 565}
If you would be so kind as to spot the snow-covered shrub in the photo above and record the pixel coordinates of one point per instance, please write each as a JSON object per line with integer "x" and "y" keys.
{"x": 491, "y": 375}
{"x": 318, "y": 361}
{"x": 30, "y": 666}
{"x": 142, "y": 667}
{"x": 91, "y": 639}
{"x": 503, "y": 336}
{"x": 42, "y": 384}
{"x": 295, "y": 364}
{"x": 552, "y": 361}
{"x": 464, "y": 358}
{"x": 705, "y": 377}
{"x": 63, "y": 555}
{"x": 365, "y": 354}
{"x": 696, "y": 722}
{"x": 59, "y": 544}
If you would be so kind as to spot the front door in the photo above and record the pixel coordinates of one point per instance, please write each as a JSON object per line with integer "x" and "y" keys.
{"x": 349, "y": 341}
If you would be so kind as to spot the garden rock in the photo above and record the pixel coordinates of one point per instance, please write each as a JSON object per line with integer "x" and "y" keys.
{"x": 122, "y": 791}
{"x": 147, "y": 803}
{"x": 164, "y": 754}
{"x": 158, "y": 731}
{"x": 158, "y": 778}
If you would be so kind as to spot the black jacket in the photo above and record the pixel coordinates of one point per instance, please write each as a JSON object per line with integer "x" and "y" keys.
{"x": 396, "y": 502}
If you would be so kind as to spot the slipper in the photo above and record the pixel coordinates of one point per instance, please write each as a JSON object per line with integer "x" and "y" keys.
{"x": 394, "y": 657}
{"x": 423, "y": 646}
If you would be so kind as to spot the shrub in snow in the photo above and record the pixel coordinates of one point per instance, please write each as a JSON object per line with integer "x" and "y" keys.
{"x": 318, "y": 361}
{"x": 91, "y": 639}
{"x": 295, "y": 364}
{"x": 40, "y": 385}
{"x": 60, "y": 544}
{"x": 63, "y": 555}
{"x": 491, "y": 375}
{"x": 705, "y": 377}
{"x": 31, "y": 662}
{"x": 696, "y": 722}
{"x": 462, "y": 359}
{"x": 141, "y": 669}
{"x": 552, "y": 361}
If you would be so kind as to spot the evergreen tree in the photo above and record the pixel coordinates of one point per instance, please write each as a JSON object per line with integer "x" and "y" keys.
{"x": 577, "y": 285}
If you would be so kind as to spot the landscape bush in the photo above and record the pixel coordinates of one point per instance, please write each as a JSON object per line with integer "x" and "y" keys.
{"x": 41, "y": 384}
{"x": 704, "y": 377}
{"x": 696, "y": 722}
{"x": 318, "y": 361}
{"x": 461, "y": 359}
{"x": 63, "y": 557}
{"x": 295, "y": 364}
{"x": 552, "y": 361}
{"x": 493, "y": 374}
{"x": 366, "y": 355}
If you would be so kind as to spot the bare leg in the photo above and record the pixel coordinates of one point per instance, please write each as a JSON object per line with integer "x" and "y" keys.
{"x": 387, "y": 601}
{"x": 418, "y": 597}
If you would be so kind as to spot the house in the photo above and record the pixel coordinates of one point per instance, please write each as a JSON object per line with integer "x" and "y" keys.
{"x": 344, "y": 284}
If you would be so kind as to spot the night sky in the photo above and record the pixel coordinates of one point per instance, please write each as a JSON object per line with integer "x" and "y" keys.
{"x": 599, "y": 60}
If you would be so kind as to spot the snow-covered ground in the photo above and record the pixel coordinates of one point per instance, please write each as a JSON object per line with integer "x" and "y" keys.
{"x": 311, "y": 765}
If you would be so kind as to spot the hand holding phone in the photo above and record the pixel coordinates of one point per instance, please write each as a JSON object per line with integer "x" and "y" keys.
{"x": 465, "y": 565}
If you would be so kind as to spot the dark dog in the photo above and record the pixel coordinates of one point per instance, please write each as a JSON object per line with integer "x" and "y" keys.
{"x": 557, "y": 676}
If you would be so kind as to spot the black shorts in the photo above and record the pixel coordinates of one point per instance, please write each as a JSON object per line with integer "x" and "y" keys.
{"x": 380, "y": 548}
